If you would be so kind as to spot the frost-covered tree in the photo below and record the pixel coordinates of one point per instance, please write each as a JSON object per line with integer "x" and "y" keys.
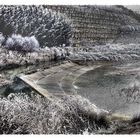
{"x": 49, "y": 28}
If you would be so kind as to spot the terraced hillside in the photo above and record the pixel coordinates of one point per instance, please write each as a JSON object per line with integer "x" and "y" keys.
{"x": 98, "y": 24}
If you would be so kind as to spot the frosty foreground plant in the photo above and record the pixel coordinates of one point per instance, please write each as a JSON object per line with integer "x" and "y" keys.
{"x": 22, "y": 44}
{"x": 20, "y": 114}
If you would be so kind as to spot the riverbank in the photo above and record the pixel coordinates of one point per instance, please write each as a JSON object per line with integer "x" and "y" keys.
{"x": 17, "y": 62}
{"x": 13, "y": 59}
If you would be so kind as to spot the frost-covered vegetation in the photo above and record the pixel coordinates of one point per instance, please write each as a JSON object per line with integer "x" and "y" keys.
{"x": 49, "y": 28}
{"x": 108, "y": 52}
{"x": 22, "y": 44}
{"x": 13, "y": 58}
{"x": 20, "y": 114}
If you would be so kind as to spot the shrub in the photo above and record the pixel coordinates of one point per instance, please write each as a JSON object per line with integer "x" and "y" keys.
{"x": 22, "y": 44}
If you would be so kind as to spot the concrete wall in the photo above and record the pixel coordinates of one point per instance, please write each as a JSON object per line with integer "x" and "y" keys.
{"x": 95, "y": 24}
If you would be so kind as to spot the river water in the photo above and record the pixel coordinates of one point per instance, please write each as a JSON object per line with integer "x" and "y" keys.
{"x": 113, "y": 87}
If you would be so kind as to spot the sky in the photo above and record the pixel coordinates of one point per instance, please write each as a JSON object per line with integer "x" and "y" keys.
{"x": 134, "y": 7}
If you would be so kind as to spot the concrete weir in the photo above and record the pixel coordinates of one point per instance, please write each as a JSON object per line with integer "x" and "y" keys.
{"x": 57, "y": 80}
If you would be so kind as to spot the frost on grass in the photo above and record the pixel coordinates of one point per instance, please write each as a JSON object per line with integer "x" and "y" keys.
{"x": 21, "y": 114}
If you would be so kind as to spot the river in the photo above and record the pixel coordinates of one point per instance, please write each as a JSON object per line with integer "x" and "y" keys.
{"x": 113, "y": 87}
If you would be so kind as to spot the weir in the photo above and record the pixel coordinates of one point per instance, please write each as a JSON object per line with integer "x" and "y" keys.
{"x": 57, "y": 80}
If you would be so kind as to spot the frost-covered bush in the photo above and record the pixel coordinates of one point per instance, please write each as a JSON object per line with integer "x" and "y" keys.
{"x": 23, "y": 44}
{"x": 50, "y": 28}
